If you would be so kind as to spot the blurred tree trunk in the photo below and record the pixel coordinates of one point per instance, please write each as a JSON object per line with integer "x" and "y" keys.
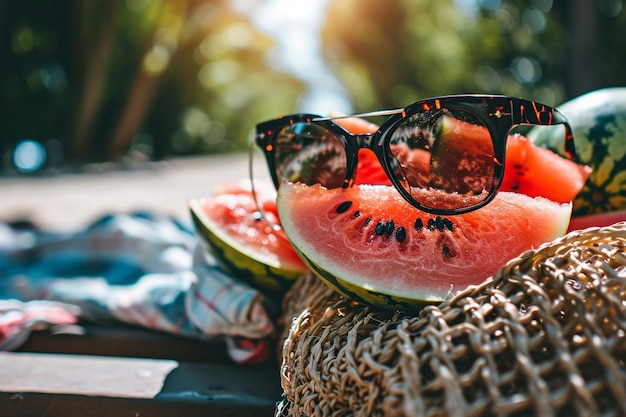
{"x": 96, "y": 55}
{"x": 154, "y": 65}
{"x": 583, "y": 48}
{"x": 173, "y": 30}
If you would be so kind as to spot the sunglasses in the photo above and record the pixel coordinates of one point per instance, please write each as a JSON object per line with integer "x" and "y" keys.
{"x": 444, "y": 155}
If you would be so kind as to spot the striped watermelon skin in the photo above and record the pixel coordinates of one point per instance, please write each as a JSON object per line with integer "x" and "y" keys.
{"x": 247, "y": 250}
{"x": 271, "y": 280}
{"x": 598, "y": 120}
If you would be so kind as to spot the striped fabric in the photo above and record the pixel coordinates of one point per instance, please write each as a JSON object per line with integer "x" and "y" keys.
{"x": 139, "y": 269}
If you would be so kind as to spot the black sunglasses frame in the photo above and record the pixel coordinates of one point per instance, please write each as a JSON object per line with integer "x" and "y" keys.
{"x": 497, "y": 113}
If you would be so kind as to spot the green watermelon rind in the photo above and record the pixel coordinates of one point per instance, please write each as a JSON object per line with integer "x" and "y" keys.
{"x": 234, "y": 258}
{"x": 379, "y": 298}
{"x": 598, "y": 121}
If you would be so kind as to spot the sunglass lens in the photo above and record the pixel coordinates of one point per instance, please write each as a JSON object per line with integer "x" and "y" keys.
{"x": 443, "y": 158}
{"x": 310, "y": 154}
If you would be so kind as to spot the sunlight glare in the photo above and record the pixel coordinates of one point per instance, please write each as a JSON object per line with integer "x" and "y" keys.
{"x": 295, "y": 26}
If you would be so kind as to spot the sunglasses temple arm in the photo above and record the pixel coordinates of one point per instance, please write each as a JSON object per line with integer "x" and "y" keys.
{"x": 390, "y": 112}
{"x": 557, "y": 118}
{"x": 569, "y": 146}
{"x": 259, "y": 209}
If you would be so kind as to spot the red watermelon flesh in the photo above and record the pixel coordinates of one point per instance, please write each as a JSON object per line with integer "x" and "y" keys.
{"x": 229, "y": 221}
{"x": 536, "y": 171}
{"x": 369, "y": 170}
{"x": 234, "y": 208}
{"x": 265, "y": 197}
{"x": 372, "y": 246}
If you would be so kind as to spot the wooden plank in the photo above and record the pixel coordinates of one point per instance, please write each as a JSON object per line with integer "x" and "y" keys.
{"x": 40, "y": 405}
{"x": 82, "y": 374}
{"x": 33, "y": 384}
{"x": 120, "y": 340}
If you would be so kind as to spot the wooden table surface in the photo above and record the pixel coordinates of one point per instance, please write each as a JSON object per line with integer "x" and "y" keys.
{"x": 68, "y": 201}
{"x": 121, "y": 371}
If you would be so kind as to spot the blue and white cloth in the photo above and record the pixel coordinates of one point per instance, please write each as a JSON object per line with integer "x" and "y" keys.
{"x": 140, "y": 269}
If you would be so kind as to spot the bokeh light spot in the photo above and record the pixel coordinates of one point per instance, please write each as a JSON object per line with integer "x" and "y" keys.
{"x": 53, "y": 78}
{"x": 238, "y": 35}
{"x": 534, "y": 20}
{"x": 157, "y": 59}
{"x": 527, "y": 69}
{"x": 214, "y": 133}
{"x": 23, "y": 41}
{"x": 221, "y": 72}
{"x": 29, "y": 155}
{"x": 193, "y": 120}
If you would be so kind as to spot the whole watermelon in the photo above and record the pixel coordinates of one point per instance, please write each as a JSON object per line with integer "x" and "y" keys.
{"x": 598, "y": 121}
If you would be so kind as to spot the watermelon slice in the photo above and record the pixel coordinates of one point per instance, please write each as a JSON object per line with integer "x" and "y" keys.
{"x": 241, "y": 241}
{"x": 536, "y": 171}
{"x": 370, "y": 245}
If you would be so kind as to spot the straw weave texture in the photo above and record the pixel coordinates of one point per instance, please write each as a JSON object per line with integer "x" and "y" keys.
{"x": 546, "y": 336}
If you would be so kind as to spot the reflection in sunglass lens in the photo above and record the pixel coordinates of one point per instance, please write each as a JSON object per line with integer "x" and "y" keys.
{"x": 310, "y": 154}
{"x": 443, "y": 158}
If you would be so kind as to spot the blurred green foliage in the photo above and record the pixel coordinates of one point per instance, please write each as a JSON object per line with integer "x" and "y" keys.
{"x": 100, "y": 80}
{"x": 148, "y": 79}
{"x": 388, "y": 54}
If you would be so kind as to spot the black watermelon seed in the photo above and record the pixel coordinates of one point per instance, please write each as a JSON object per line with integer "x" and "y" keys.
{"x": 448, "y": 224}
{"x": 447, "y": 246}
{"x": 400, "y": 234}
{"x": 367, "y": 221}
{"x": 389, "y": 228}
{"x": 419, "y": 224}
{"x": 343, "y": 207}
{"x": 357, "y": 214}
{"x": 431, "y": 224}
{"x": 439, "y": 223}
{"x": 380, "y": 227}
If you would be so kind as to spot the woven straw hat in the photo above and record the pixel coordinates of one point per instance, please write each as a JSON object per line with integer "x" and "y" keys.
{"x": 546, "y": 336}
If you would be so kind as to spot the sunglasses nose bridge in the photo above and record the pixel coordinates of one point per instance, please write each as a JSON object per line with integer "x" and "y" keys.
{"x": 364, "y": 140}
{"x": 354, "y": 142}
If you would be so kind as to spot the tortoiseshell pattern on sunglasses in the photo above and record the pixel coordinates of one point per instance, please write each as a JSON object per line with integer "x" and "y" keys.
{"x": 445, "y": 155}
